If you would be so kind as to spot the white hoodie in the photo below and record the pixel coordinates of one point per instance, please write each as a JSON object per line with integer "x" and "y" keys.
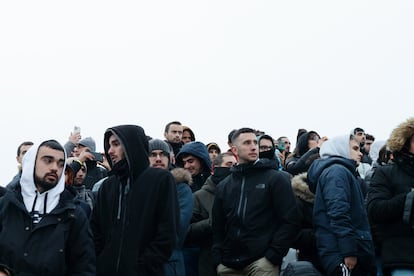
{"x": 45, "y": 201}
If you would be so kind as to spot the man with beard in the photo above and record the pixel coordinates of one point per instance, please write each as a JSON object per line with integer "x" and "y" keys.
{"x": 200, "y": 231}
{"x": 43, "y": 230}
{"x": 135, "y": 216}
{"x": 173, "y": 134}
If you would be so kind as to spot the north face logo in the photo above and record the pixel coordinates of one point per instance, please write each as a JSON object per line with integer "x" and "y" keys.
{"x": 261, "y": 186}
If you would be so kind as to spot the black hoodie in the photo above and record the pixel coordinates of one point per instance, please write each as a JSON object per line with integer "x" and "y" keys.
{"x": 135, "y": 218}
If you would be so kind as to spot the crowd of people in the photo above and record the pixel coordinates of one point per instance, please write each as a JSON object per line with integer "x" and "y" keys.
{"x": 177, "y": 206}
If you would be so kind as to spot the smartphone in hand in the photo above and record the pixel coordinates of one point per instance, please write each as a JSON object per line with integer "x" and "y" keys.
{"x": 97, "y": 156}
{"x": 76, "y": 129}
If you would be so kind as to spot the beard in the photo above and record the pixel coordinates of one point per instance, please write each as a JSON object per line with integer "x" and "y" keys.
{"x": 44, "y": 184}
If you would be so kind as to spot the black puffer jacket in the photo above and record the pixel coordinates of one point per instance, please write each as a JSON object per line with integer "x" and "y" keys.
{"x": 254, "y": 215}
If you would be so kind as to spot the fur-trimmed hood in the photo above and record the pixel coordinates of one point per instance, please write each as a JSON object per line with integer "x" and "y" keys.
{"x": 182, "y": 176}
{"x": 400, "y": 135}
{"x": 301, "y": 188}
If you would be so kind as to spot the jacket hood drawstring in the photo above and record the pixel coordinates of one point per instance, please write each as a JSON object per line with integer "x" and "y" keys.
{"x": 35, "y": 214}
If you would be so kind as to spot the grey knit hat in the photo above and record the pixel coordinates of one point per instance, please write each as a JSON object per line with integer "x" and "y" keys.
{"x": 157, "y": 144}
{"x": 88, "y": 142}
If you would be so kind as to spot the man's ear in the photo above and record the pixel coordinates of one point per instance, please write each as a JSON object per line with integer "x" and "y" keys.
{"x": 234, "y": 150}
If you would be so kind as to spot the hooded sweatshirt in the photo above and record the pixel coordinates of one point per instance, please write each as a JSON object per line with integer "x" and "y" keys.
{"x": 57, "y": 242}
{"x": 136, "y": 214}
{"x": 339, "y": 215}
{"x": 38, "y": 204}
{"x": 198, "y": 150}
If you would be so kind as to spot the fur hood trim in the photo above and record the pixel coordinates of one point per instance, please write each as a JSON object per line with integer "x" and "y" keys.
{"x": 301, "y": 188}
{"x": 182, "y": 176}
{"x": 400, "y": 135}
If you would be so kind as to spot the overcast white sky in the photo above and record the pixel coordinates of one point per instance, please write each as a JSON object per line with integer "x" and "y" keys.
{"x": 276, "y": 66}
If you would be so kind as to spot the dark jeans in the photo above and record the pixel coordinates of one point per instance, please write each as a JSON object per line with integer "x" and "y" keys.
{"x": 191, "y": 255}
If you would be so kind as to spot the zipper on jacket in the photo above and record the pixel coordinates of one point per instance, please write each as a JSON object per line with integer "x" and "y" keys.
{"x": 123, "y": 192}
{"x": 239, "y": 208}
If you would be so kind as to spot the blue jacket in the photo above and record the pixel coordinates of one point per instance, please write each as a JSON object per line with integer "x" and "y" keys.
{"x": 175, "y": 265}
{"x": 339, "y": 214}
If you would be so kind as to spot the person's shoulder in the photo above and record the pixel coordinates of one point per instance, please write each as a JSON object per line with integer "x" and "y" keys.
{"x": 2, "y": 191}
{"x": 156, "y": 174}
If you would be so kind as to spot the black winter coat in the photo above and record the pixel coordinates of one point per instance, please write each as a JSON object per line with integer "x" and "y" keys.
{"x": 135, "y": 217}
{"x": 387, "y": 196}
{"x": 254, "y": 215}
{"x": 60, "y": 244}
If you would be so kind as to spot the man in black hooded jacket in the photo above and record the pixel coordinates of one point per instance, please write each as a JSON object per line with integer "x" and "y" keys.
{"x": 135, "y": 218}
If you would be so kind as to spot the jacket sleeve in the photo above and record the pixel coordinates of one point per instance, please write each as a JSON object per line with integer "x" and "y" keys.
{"x": 81, "y": 256}
{"x": 284, "y": 205}
{"x": 185, "y": 200}
{"x": 96, "y": 223}
{"x": 336, "y": 192}
{"x": 160, "y": 248}
{"x": 303, "y": 163}
{"x": 200, "y": 227}
{"x": 218, "y": 223}
{"x": 383, "y": 204}
{"x": 305, "y": 239}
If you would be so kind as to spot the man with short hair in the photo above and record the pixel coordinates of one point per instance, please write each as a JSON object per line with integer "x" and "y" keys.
{"x": 366, "y": 158}
{"x": 360, "y": 136}
{"x": 255, "y": 219}
{"x": 43, "y": 229}
{"x": 135, "y": 216}
{"x": 173, "y": 134}
{"x": 283, "y": 146}
{"x": 21, "y": 151}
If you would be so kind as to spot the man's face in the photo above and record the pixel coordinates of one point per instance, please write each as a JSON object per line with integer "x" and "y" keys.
{"x": 213, "y": 154}
{"x": 192, "y": 164}
{"x": 355, "y": 151}
{"x": 79, "y": 149}
{"x": 174, "y": 134}
{"x": 246, "y": 148}
{"x": 159, "y": 159}
{"x": 23, "y": 150}
{"x": 287, "y": 143}
{"x": 228, "y": 161}
{"x": 360, "y": 136}
{"x": 80, "y": 176}
{"x": 48, "y": 168}
{"x": 115, "y": 151}
{"x": 265, "y": 145}
{"x": 367, "y": 145}
{"x": 186, "y": 137}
